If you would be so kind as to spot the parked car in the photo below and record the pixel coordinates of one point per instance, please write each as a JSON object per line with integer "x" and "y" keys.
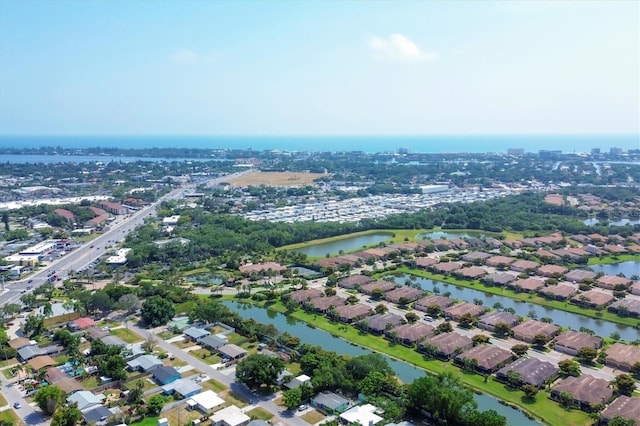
{"x": 17, "y": 405}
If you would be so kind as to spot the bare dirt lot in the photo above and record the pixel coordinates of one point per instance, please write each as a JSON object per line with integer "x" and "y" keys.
{"x": 276, "y": 179}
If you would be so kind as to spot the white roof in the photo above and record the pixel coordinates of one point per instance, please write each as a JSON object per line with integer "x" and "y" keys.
{"x": 362, "y": 414}
{"x": 207, "y": 399}
{"x": 231, "y": 415}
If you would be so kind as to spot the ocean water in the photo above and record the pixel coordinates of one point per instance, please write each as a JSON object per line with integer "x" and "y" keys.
{"x": 369, "y": 144}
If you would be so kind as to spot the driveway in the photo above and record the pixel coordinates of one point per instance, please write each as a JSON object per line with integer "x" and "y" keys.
{"x": 228, "y": 378}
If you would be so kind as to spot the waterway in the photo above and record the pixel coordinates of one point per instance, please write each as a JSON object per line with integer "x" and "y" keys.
{"x": 437, "y": 235}
{"x": 345, "y": 244}
{"x": 525, "y": 309}
{"x": 406, "y": 372}
{"x": 55, "y": 159}
{"x": 618, "y": 222}
{"x": 628, "y": 268}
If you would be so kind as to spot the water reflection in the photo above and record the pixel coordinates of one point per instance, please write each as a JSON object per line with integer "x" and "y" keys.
{"x": 523, "y": 308}
{"x": 406, "y": 372}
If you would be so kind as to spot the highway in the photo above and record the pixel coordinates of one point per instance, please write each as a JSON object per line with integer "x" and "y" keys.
{"x": 87, "y": 253}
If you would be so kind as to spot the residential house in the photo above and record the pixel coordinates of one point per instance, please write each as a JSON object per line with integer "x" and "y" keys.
{"x": 41, "y": 362}
{"x": 324, "y": 304}
{"x": 489, "y": 358}
{"x": 578, "y": 275}
{"x": 354, "y": 281}
{"x": 562, "y": 291}
{"x": 532, "y": 370}
{"x": 622, "y": 357}
{"x": 627, "y": 306}
{"x": 164, "y": 374}
{"x": 213, "y": 341}
{"x": 587, "y": 391}
{"x": 476, "y": 257}
{"x": 230, "y": 416}
{"x": 375, "y": 286}
{"x": 489, "y": 320}
{"x": 570, "y": 342}
{"x": 624, "y": 406}
{"x": 298, "y": 381}
{"x": 330, "y": 402}
{"x": 435, "y": 300}
{"x": 406, "y": 294}
{"x": 304, "y": 295}
{"x": 447, "y": 345}
{"x": 522, "y": 265}
{"x": 195, "y": 333}
{"x": 184, "y": 388}
{"x": 446, "y": 267}
{"x": 551, "y": 270}
{"x": 362, "y": 415}
{"x": 499, "y": 261}
{"x": 456, "y": 311}
{"x": 592, "y": 299}
{"x": 144, "y": 363}
{"x": 500, "y": 278}
{"x": 410, "y": 334}
{"x": 471, "y": 273}
{"x": 609, "y": 282}
{"x": 350, "y": 313}
{"x": 528, "y": 330}
{"x": 531, "y": 284}
{"x": 232, "y": 351}
{"x": 377, "y": 324}
{"x": 206, "y": 401}
{"x": 85, "y": 399}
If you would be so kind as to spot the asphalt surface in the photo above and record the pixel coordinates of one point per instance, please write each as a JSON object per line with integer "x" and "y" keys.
{"x": 82, "y": 256}
{"x": 228, "y": 378}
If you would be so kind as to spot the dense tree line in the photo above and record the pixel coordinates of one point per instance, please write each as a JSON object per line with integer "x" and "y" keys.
{"x": 230, "y": 237}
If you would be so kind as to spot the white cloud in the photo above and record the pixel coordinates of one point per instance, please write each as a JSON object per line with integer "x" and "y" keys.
{"x": 191, "y": 57}
{"x": 398, "y": 47}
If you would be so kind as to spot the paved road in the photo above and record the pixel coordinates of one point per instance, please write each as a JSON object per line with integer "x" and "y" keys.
{"x": 13, "y": 394}
{"x": 227, "y": 377}
{"x": 84, "y": 255}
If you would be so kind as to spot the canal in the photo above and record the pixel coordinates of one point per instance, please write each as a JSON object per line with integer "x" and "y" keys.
{"x": 628, "y": 268}
{"x": 406, "y": 372}
{"x": 525, "y": 309}
{"x": 345, "y": 244}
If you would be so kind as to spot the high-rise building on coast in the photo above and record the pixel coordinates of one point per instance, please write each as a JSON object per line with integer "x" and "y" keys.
{"x": 515, "y": 151}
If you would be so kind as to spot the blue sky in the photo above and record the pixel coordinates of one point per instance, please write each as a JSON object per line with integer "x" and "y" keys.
{"x": 319, "y": 68}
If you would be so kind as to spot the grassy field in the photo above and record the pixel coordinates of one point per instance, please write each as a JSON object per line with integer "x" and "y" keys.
{"x": 206, "y": 356}
{"x": 8, "y": 362}
{"x": 3, "y": 401}
{"x": 312, "y": 417}
{"x": 147, "y": 421}
{"x": 259, "y": 413}
{"x": 11, "y": 417}
{"x": 525, "y": 297}
{"x": 542, "y": 408}
{"x": 613, "y": 259}
{"x": 90, "y": 383}
{"x": 127, "y": 335}
{"x": 276, "y": 179}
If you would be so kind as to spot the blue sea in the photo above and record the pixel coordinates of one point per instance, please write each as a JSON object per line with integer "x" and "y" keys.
{"x": 369, "y": 144}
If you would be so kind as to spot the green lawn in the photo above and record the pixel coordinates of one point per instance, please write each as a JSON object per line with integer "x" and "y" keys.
{"x": 613, "y": 259}
{"x": 213, "y": 385}
{"x": 11, "y": 417}
{"x": 259, "y": 413}
{"x": 127, "y": 335}
{"x": 90, "y": 383}
{"x": 312, "y": 417}
{"x": 147, "y": 421}
{"x": 8, "y": 362}
{"x": 3, "y": 401}
{"x": 206, "y": 356}
{"x": 550, "y": 412}
{"x": 525, "y": 297}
